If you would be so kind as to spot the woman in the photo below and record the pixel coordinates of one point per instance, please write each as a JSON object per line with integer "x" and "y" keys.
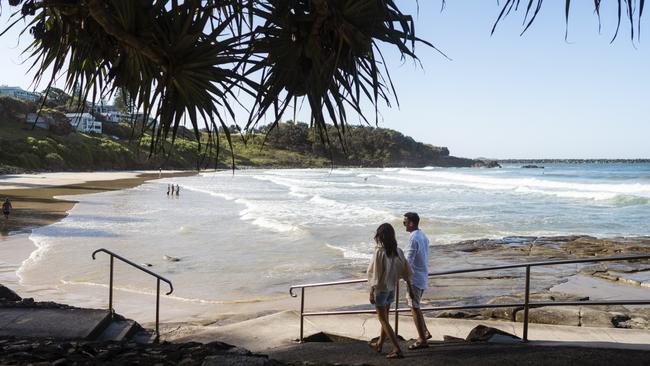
{"x": 387, "y": 266}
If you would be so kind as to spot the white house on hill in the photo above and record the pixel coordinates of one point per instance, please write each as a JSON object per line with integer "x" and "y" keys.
{"x": 19, "y": 93}
{"x": 84, "y": 122}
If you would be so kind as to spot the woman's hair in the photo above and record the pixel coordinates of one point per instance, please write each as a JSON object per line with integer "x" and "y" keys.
{"x": 385, "y": 236}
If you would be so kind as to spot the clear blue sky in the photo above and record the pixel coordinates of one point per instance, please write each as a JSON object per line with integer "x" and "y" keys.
{"x": 506, "y": 96}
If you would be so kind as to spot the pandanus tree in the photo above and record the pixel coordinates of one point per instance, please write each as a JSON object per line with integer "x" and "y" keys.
{"x": 205, "y": 61}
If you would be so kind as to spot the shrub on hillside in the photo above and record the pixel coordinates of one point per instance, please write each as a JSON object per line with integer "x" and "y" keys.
{"x": 123, "y": 131}
{"x": 54, "y": 161}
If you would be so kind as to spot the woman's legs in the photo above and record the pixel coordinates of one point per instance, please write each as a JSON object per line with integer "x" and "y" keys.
{"x": 387, "y": 330}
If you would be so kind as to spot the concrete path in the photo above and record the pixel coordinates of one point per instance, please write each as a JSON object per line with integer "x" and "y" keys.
{"x": 282, "y": 330}
{"x": 54, "y": 323}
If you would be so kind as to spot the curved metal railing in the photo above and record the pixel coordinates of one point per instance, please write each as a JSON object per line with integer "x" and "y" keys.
{"x": 158, "y": 279}
{"x": 527, "y": 304}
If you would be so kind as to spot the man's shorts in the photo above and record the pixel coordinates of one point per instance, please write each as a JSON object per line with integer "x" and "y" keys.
{"x": 417, "y": 296}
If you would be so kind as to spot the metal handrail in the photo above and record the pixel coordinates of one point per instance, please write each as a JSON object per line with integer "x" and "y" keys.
{"x": 158, "y": 279}
{"x": 527, "y": 304}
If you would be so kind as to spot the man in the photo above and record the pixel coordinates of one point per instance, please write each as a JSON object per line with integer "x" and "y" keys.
{"x": 417, "y": 254}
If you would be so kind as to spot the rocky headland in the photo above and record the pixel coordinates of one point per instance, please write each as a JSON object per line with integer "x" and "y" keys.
{"x": 628, "y": 280}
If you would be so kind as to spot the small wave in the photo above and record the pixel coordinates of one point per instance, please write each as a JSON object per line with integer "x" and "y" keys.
{"x": 622, "y": 200}
{"x": 267, "y": 223}
{"x": 177, "y": 298}
{"x": 351, "y": 253}
{"x": 211, "y": 193}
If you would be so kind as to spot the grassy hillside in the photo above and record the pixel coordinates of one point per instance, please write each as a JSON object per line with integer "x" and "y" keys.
{"x": 289, "y": 145}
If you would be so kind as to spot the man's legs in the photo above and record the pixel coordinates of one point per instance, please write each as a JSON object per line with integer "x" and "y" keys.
{"x": 420, "y": 324}
{"x": 418, "y": 317}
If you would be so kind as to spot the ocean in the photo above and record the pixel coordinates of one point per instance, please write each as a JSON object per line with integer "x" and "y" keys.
{"x": 247, "y": 236}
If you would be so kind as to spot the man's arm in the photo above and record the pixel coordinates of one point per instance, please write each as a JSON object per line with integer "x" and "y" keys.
{"x": 411, "y": 251}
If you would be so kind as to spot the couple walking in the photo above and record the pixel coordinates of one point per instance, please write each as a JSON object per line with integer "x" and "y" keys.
{"x": 388, "y": 265}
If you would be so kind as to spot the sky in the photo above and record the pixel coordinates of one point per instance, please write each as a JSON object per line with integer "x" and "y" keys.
{"x": 505, "y": 95}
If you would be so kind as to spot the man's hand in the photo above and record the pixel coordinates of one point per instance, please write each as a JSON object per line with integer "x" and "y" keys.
{"x": 372, "y": 297}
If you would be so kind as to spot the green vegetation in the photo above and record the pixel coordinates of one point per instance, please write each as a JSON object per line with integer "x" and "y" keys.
{"x": 287, "y": 145}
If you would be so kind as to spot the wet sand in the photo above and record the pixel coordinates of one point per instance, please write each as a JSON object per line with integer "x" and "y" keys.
{"x": 33, "y": 196}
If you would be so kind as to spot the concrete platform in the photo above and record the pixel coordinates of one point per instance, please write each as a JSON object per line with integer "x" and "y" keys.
{"x": 281, "y": 330}
{"x": 54, "y": 323}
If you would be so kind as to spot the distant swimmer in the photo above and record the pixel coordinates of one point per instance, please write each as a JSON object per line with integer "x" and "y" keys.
{"x": 6, "y": 208}
{"x": 178, "y": 189}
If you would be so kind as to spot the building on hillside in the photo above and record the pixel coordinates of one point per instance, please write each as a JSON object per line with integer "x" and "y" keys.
{"x": 104, "y": 108}
{"x": 19, "y": 93}
{"x": 115, "y": 117}
{"x": 84, "y": 122}
{"x": 41, "y": 122}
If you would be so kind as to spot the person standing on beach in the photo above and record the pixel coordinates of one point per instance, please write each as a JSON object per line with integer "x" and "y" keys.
{"x": 387, "y": 266}
{"x": 417, "y": 254}
{"x": 178, "y": 189}
{"x": 6, "y": 208}
{"x": 168, "y": 189}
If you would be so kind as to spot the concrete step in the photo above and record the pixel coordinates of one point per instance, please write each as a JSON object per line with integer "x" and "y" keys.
{"x": 144, "y": 337}
{"x": 53, "y": 322}
{"x": 118, "y": 330}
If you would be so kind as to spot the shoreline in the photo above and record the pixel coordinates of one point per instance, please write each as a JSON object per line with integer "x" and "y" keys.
{"x": 35, "y": 203}
{"x": 39, "y": 194}
{"x": 41, "y": 201}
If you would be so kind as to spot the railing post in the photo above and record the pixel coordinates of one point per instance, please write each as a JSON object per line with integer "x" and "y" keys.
{"x": 396, "y": 307}
{"x": 110, "y": 289}
{"x": 302, "y": 310}
{"x": 526, "y": 302}
{"x": 157, "y": 307}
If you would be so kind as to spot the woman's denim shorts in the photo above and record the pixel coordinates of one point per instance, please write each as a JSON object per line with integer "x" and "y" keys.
{"x": 384, "y": 298}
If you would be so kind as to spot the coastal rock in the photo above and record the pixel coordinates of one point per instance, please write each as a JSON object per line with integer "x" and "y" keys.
{"x": 482, "y": 333}
{"x": 7, "y": 294}
{"x": 458, "y": 314}
{"x": 556, "y": 315}
{"x": 486, "y": 164}
{"x": 171, "y": 259}
{"x": 596, "y": 318}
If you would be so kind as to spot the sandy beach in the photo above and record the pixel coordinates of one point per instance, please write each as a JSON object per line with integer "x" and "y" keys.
{"x": 40, "y": 199}
{"x": 33, "y": 195}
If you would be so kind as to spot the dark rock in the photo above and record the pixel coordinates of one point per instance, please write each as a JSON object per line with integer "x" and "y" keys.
{"x": 448, "y": 338}
{"x": 482, "y": 333}
{"x": 486, "y": 164}
{"x": 7, "y": 294}
{"x": 458, "y": 314}
{"x": 621, "y": 321}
